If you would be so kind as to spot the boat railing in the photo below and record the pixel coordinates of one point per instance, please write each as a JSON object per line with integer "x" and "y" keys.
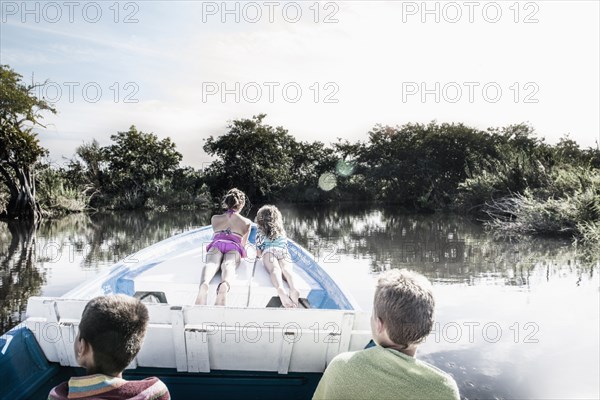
{"x": 201, "y": 339}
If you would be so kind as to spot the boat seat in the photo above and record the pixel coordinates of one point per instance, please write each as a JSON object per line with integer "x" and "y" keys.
{"x": 151, "y": 297}
{"x": 203, "y": 338}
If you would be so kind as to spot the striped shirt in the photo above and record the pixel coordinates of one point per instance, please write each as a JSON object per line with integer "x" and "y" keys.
{"x": 101, "y": 386}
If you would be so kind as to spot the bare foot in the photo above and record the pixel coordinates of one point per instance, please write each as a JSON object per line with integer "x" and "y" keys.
{"x": 294, "y": 295}
{"x": 202, "y": 294}
{"x": 285, "y": 299}
{"x": 222, "y": 293}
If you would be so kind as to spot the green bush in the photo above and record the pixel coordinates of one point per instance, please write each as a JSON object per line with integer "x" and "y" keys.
{"x": 569, "y": 180}
{"x": 500, "y": 178}
{"x": 524, "y": 214}
{"x": 589, "y": 233}
{"x": 55, "y": 195}
{"x": 475, "y": 191}
{"x": 576, "y": 214}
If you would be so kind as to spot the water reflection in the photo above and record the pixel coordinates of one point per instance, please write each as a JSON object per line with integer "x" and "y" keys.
{"x": 106, "y": 238}
{"x": 481, "y": 283}
{"x": 19, "y": 276}
{"x": 446, "y": 248}
{"x": 64, "y": 252}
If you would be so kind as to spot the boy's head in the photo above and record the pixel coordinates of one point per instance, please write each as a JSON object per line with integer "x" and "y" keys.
{"x": 402, "y": 308}
{"x": 114, "y": 328}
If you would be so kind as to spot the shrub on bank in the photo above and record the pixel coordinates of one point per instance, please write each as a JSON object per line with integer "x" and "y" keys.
{"x": 589, "y": 233}
{"x": 525, "y": 214}
{"x": 502, "y": 178}
{"x": 55, "y": 194}
{"x": 576, "y": 214}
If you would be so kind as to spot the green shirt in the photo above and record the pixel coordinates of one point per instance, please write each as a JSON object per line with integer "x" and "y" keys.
{"x": 381, "y": 373}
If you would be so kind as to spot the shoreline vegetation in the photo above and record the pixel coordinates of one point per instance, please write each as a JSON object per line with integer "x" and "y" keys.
{"x": 506, "y": 177}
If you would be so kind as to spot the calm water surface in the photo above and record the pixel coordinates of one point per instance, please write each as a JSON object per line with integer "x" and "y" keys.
{"x": 515, "y": 319}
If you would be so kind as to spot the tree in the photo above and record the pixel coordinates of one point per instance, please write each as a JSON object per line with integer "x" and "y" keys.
{"x": 309, "y": 162}
{"x": 138, "y": 163}
{"x": 416, "y": 165}
{"x": 252, "y": 156}
{"x": 20, "y": 113}
{"x": 88, "y": 170}
{"x": 568, "y": 151}
{"x": 394, "y": 164}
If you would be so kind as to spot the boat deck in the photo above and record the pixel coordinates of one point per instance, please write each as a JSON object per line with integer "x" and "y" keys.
{"x": 179, "y": 277}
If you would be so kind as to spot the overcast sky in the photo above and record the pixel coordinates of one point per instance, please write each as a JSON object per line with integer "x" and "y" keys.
{"x": 323, "y": 70}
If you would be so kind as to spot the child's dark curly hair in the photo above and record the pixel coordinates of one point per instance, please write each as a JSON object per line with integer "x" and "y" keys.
{"x": 234, "y": 199}
{"x": 270, "y": 221}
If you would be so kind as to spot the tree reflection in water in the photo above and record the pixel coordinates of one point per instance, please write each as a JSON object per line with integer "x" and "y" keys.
{"x": 20, "y": 277}
{"x": 28, "y": 258}
{"x": 446, "y": 248}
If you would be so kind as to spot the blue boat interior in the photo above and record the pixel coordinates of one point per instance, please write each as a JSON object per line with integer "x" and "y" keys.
{"x": 324, "y": 294}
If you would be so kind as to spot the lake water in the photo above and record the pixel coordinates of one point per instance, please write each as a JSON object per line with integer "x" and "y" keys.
{"x": 515, "y": 319}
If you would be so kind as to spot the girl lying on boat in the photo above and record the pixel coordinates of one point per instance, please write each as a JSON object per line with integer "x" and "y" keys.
{"x": 227, "y": 247}
{"x": 271, "y": 244}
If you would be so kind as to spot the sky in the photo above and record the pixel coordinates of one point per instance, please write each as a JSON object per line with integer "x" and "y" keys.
{"x": 323, "y": 70}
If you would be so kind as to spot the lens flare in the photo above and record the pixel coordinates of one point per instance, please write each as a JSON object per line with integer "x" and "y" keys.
{"x": 344, "y": 168}
{"x": 327, "y": 181}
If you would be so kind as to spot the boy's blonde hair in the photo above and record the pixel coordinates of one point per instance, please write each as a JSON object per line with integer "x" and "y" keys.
{"x": 404, "y": 302}
{"x": 270, "y": 222}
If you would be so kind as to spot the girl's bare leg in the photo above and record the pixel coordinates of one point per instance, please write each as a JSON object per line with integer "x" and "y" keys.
{"x": 213, "y": 262}
{"x": 286, "y": 269}
{"x": 274, "y": 268}
{"x": 230, "y": 262}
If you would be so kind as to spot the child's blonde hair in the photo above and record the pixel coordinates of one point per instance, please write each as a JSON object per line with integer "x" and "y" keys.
{"x": 270, "y": 222}
{"x": 404, "y": 302}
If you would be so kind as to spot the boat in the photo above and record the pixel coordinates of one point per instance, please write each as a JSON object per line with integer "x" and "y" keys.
{"x": 251, "y": 348}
